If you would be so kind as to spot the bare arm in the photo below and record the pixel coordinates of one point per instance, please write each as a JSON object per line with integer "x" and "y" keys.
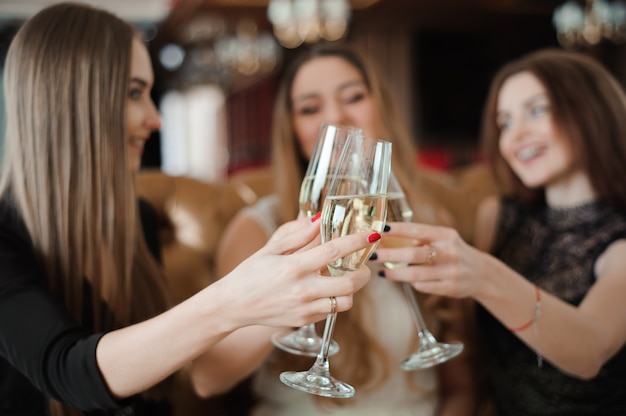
{"x": 464, "y": 271}
{"x": 577, "y": 340}
{"x": 486, "y": 220}
{"x": 277, "y": 286}
{"x": 240, "y": 353}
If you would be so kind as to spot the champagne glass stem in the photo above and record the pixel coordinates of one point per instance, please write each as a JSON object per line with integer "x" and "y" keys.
{"x": 329, "y": 328}
{"x": 317, "y": 379}
{"x": 430, "y": 352}
{"x": 424, "y": 335}
{"x": 321, "y": 367}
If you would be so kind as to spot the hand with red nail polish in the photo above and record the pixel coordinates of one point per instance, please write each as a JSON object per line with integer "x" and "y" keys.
{"x": 380, "y": 307}
{"x": 373, "y": 237}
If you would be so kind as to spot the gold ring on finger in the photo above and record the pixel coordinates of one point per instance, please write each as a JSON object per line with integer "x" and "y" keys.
{"x": 432, "y": 255}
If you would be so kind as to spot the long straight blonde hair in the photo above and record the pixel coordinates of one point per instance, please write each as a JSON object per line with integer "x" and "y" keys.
{"x": 363, "y": 360}
{"x": 287, "y": 160}
{"x": 65, "y": 166}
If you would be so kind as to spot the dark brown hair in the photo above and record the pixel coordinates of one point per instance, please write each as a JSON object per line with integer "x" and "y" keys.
{"x": 587, "y": 105}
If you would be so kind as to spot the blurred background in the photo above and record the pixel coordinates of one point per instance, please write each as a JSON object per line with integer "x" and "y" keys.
{"x": 216, "y": 64}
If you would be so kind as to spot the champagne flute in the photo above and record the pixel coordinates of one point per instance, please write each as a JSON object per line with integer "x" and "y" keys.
{"x": 430, "y": 351}
{"x": 330, "y": 142}
{"x": 356, "y": 201}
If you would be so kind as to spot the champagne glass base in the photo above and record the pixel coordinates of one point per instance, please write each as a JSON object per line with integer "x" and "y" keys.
{"x": 322, "y": 385}
{"x": 432, "y": 355}
{"x": 302, "y": 344}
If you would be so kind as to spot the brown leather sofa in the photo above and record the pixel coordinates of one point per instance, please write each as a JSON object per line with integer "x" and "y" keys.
{"x": 192, "y": 214}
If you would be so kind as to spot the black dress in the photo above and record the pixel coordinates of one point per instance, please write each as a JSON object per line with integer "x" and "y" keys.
{"x": 555, "y": 249}
{"x": 43, "y": 352}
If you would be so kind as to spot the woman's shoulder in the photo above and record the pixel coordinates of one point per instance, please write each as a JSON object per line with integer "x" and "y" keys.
{"x": 487, "y": 215}
{"x": 247, "y": 232}
{"x": 264, "y": 212}
{"x": 490, "y": 206}
{"x": 12, "y": 226}
{"x": 18, "y": 259}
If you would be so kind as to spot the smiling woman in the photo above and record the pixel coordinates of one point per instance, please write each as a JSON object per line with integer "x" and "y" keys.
{"x": 142, "y": 117}
{"x": 335, "y": 83}
{"x": 547, "y": 269}
{"x": 547, "y": 156}
{"x": 88, "y": 303}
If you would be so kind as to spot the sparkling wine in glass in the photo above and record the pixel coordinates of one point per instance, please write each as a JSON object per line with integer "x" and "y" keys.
{"x": 356, "y": 201}
{"x": 330, "y": 143}
{"x": 430, "y": 352}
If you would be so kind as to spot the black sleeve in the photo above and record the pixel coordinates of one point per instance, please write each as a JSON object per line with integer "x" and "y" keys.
{"x": 39, "y": 339}
{"x": 149, "y": 225}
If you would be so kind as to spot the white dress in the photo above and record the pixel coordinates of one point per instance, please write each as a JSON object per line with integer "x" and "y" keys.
{"x": 391, "y": 324}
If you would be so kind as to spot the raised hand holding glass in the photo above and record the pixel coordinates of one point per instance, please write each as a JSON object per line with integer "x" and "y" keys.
{"x": 430, "y": 351}
{"x": 330, "y": 143}
{"x": 356, "y": 201}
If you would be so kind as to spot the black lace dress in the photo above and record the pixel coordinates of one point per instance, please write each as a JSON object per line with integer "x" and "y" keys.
{"x": 556, "y": 249}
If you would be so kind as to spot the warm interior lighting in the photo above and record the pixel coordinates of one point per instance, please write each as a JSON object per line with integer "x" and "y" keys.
{"x": 210, "y": 52}
{"x": 599, "y": 19}
{"x": 298, "y": 21}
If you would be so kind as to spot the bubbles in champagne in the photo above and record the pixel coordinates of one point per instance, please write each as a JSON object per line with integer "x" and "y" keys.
{"x": 343, "y": 215}
{"x": 312, "y": 194}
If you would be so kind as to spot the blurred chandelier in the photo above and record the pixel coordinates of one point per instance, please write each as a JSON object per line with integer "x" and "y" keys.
{"x": 298, "y": 21}
{"x": 598, "y": 20}
{"x": 208, "y": 52}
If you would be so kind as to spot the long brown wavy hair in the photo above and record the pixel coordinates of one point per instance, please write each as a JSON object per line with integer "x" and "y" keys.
{"x": 362, "y": 359}
{"x": 587, "y": 104}
{"x": 65, "y": 166}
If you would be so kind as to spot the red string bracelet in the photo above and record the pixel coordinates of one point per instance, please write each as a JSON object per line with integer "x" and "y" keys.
{"x": 535, "y": 315}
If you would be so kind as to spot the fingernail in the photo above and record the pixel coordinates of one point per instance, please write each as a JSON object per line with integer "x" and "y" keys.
{"x": 387, "y": 228}
{"x": 373, "y": 237}
{"x": 381, "y": 273}
{"x": 316, "y": 217}
{"x": 374, "y": 256}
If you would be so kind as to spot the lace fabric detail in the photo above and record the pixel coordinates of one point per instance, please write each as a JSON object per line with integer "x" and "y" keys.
{"x": 556, "y": 249}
